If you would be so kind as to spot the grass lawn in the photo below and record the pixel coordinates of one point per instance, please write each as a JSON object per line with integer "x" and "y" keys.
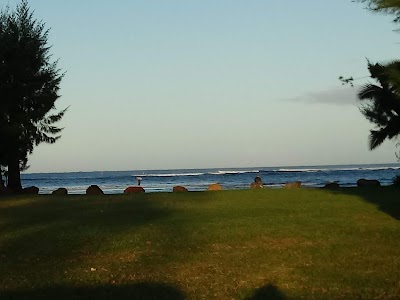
{"x": 250, "y": 244}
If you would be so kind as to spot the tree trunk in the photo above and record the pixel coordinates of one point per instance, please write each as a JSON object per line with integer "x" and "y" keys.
{"x": 14, "y": 174}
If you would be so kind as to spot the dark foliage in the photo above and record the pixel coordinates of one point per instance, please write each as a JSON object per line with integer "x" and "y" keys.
{"x": 382, "y": 99}
{"x": 396, "y": 181}
{"x": 391, "y": 7}
{"x": 383, "y": 102}
{"x": 29, "y": 85}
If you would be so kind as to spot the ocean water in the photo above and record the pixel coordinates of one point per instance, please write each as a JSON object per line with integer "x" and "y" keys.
{"x": 114, "y": 182}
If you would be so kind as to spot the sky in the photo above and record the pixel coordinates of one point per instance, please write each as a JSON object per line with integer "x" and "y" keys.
{"x": 172, "y": 84}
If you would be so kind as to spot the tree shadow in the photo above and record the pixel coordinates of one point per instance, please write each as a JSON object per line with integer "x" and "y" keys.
{"x": 136, "y": 291}
{"x": 386, "y": 198}
{"x": 45, "y": 237}
{"x": 48, "y": 212}
{"x": 267, "y": 292}
{"x": 49, "y": 234}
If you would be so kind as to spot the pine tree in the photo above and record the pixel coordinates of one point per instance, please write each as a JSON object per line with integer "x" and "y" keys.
{"x": 29, "y": 86}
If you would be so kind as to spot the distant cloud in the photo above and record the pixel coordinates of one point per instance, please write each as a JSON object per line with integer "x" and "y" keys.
{"x": 337, "y": 96}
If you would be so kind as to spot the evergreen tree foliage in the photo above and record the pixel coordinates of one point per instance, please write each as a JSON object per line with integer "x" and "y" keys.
{"x": 29, "y": 86}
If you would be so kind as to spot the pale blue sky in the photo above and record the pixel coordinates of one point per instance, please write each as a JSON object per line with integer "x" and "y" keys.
{"x": 224, "y": 83}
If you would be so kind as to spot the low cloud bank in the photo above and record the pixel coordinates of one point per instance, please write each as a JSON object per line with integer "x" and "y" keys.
{"x": 336, "y": 96}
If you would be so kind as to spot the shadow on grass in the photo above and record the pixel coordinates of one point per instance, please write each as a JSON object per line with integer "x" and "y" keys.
{"x": 267, "y": 292}
{"x": 137, "y": 291}
{"x": 49, "y": 234}
{"x": 386, "y": 198}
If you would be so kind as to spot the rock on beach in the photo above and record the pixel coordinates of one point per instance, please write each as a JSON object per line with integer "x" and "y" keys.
{"x": 215, "y": 187}
{"x": 134, "y": 190}
{"x": 179, "y": 189}
{"x": 32, "y": 190}
{"x": 367, "y": 182}
{"x": 293, "y": 185}
{"x": 332, "y": 185}
{"x": 94, "y": 190}
{"x": 60, "y": 191}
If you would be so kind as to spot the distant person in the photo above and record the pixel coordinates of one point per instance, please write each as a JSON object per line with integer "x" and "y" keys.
{"x": 139, "y": 180}
{"x": 257, "y": 184}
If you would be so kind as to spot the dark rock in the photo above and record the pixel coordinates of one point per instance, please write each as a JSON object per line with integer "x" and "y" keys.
{"x": 60, "y": 191}
{"x": 32, "y": 190}
{"x": 332, "y": 185}
{"x": 215, "y": 187}
{"x": 293, "y": 185}
{"x": 179, "y": 189}
{"x": 134, "y": 190}
{"x": 94, "y": 190}
{"x": 366, "y": 182}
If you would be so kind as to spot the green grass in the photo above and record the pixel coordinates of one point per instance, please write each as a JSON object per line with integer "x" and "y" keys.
{"x": 253, "y": 244}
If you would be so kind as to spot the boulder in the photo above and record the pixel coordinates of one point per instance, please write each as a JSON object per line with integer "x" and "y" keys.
{"x": 60, "y": 191}
{"x": 94, "y": 190}
{"x": 293, "y": 185}
{"x": 179, "y": 189}
{"x": 332, "y": 185}
{"x": 366, "y": 182}
{"x": 32, "y": 190}
{"x": 134, "y": 190}
{"x": 215, "y": 187}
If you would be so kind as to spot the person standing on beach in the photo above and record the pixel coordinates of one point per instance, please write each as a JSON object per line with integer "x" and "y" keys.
{"x": 139, "y": 180}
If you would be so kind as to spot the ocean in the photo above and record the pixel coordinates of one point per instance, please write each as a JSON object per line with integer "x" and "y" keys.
{"x": 115, "y": 182}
